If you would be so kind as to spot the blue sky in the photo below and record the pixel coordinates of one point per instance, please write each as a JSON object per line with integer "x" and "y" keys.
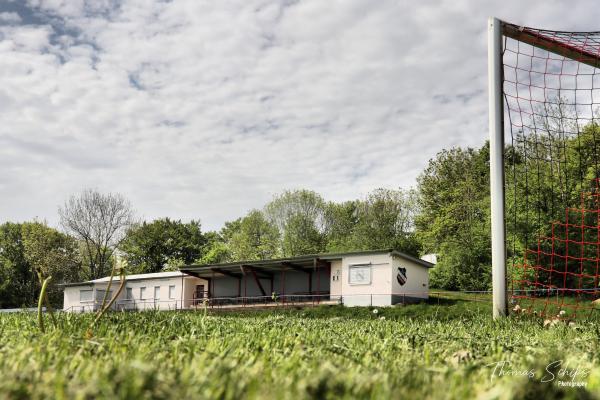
{"x": 206, "y": 109}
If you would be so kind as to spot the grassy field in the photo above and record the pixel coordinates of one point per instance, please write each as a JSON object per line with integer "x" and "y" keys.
{"x": 446, "y": 349}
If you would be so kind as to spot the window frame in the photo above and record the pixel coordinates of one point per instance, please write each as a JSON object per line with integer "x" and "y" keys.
{"x": 368, "y": 267}
{"x": 101, "y": 297}
{"x": 142, "y": 292}
{"x": 91, "y": 291}
{"x": 172, "y": 289}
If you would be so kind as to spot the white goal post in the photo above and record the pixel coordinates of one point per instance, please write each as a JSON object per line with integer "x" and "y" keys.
{"x": 496, "y": 127}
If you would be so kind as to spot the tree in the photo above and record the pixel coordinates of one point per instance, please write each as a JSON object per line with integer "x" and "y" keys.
{"x": 30, "y": 245}
{"x": 342, "y": 219}
{"x": 216, "y": 249}
{"x": 301, "y": 218}
{"x": 152, "y": 246}
{"x": 385, "y": 219}
{"x": 17, "y": 279}
{"x": 255, "y": 238}
{"x": 100, "y": 222}
{"x": 454, "y": 219}
{"x": 548, "y": 169}
{"x": 301, "y": 236}
{"x": 53, "y": 253}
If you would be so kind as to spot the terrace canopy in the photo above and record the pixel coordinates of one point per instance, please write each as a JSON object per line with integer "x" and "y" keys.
{"x": 269, "y": 276}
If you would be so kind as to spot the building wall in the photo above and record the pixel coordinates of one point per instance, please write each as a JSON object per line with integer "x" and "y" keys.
{"x": 432, "y": 258}
{"x": 162, "y": 302}
{"x": 189, "y": 290}
{"x": 249, "y": 288}
{"x": 224, "y": 287}
{"x": 378, "y": 292}
{"x": 416, "y": 286}
{"x": 71, "y": 299}
{"x": 295, "y": 283}
{"x": 227, "y": 286}
{"x": 336, "y": 279}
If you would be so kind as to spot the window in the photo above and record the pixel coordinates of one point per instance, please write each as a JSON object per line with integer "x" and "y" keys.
{"x": 86, "y": 295}
{"x": 100, "y": 295}
{"x": 172, "y": 291}
{"x": 129, "y": 293}
{"x": 156, "y": 292}
{"x": 142, "y": 293}
{"x": 360, "y": 274}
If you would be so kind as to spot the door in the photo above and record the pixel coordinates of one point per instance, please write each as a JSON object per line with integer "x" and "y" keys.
{"x": 199, "y": 291}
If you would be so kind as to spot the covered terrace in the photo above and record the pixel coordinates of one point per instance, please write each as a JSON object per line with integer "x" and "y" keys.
{"x": 264, "y": 282}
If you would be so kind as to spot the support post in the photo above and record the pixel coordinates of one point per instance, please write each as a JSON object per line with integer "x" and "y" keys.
{"x": 318, "y": 272}
{"x": 283, "y": 285}
{"x": 245, "y": 285}
{"x": 496, "y": 127}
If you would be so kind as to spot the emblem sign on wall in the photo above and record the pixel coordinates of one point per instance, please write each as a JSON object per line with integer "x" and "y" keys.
{"x": 401, "y": 276}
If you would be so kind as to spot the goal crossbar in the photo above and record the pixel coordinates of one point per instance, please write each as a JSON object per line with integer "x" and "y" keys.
{"x": 549, "y": 41}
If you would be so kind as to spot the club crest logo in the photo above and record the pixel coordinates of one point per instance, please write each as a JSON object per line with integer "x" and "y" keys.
{"x": 401, "y": 276}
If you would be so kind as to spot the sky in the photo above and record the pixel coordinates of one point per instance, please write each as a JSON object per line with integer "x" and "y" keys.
{"x": 198, "y": 109}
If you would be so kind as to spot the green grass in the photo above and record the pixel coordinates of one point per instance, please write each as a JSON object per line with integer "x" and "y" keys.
{"x": 438, "y": 350}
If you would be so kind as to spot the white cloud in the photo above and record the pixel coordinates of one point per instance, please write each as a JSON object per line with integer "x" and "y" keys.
{"x": 9, "y": 17}
{"x": 198, "y": 109}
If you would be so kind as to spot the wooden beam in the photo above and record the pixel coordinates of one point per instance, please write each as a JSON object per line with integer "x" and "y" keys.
{"x": 258, "y": 272}
{"x": 208, "y": 289}
{"x": 227, "y": 273}
{"x": 262, "y": 290}
{"x": 295, "y": 267}
{"x": 323, "y": 263}
{"x": 192, "y": 273}
{"x": 537, "y": 39}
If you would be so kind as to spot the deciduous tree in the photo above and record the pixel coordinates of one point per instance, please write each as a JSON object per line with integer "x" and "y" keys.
{"x": 100, "y": 221}
{"x": 152, "y": 246}
{"x": 301, "y": 217}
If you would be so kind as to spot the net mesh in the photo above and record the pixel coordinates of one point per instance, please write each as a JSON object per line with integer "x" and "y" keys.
{"x": 552, "y": 93}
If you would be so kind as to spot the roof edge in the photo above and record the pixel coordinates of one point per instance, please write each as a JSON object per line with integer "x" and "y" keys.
{"x": 322, "y": 256}
{"x": 423, "y": 263}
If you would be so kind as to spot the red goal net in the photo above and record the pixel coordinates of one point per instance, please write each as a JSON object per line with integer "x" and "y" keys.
{"x": 561, "y": 272}
{"x": 551, "y": 89}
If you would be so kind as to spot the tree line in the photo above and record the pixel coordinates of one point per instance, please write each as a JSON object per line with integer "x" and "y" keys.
{"x": 447, "y": 213}
{"x": 97, "y": 229}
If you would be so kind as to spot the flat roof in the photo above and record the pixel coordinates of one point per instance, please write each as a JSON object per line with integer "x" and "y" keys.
{"x": 304, "y": 262}
{"x": 133, "y": 277}
{"x": 299, "y": 263}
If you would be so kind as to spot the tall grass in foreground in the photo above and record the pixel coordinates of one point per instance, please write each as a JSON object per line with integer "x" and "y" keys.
{"x": 419, "y": 351}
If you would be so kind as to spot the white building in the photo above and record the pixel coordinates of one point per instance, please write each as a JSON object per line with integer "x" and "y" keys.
{"x": 162, "y": 290}
{"x": 377, "y": 277}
